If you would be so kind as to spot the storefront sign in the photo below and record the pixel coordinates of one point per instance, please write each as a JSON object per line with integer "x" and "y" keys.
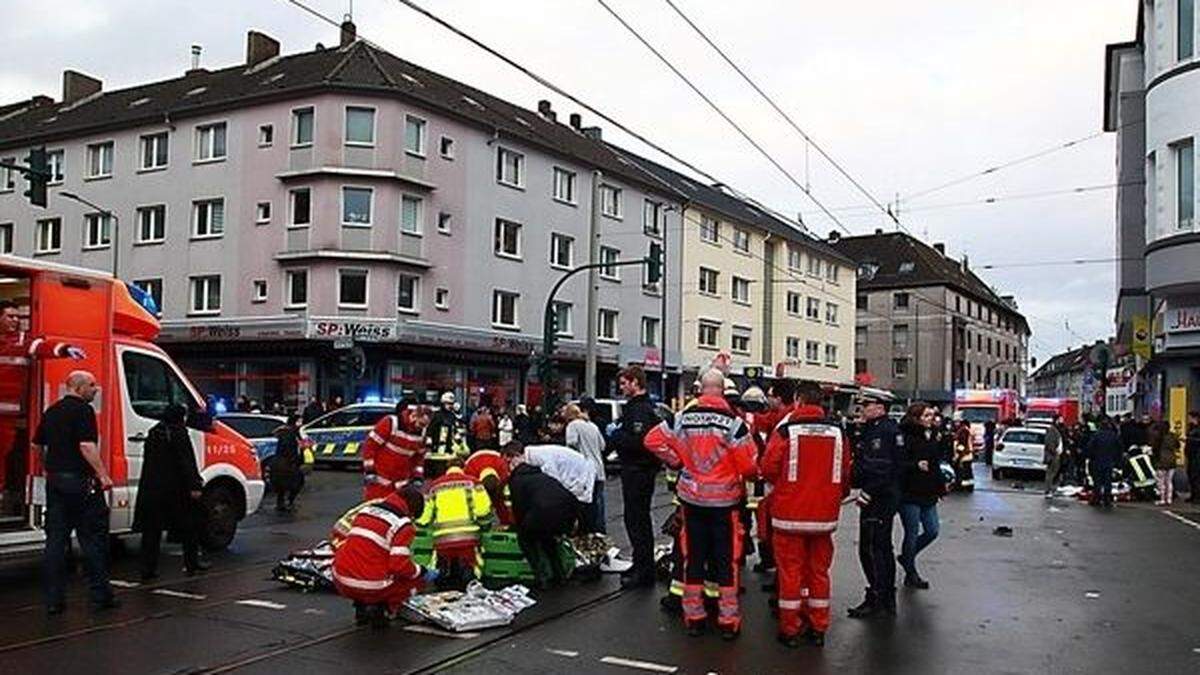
{"x": 360, "y": 330}
{"x": 1177, "y": 409}
{"x": 226, "y": 331}
{"x": 1183, "y": 319}
{"x": 653, "y": 358}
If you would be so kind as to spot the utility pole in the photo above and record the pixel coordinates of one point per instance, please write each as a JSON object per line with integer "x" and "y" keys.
{"x": 916, "y": 346}
{"x": 589, "y": 376}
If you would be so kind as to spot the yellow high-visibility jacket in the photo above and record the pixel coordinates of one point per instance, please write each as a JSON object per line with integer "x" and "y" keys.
{"x": 457, "y": 507}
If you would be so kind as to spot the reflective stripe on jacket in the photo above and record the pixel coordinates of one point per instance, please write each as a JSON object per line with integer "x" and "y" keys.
{"x": 375, "y": 549}
{"x": 456, "y": 507}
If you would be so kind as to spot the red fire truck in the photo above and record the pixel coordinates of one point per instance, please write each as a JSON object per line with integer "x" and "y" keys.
{"x": 977, "y": 407}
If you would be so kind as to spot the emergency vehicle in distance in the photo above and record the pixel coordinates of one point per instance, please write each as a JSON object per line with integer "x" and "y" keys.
{"x": 1043, "y": 411}
{"x": 977, "y": 407}
{"x": 113, "y": 326}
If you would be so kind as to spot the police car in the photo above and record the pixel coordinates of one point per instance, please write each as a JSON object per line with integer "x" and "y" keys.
{"x": 259, "y": 429}
{"x": 337, "y": 438}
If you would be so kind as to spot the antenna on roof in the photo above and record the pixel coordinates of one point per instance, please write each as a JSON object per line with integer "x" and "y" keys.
{"x": 350, "y": 13}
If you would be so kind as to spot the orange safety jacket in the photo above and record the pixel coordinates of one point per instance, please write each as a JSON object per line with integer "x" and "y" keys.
{"x": 807, "y": 462}
{"x": 713, "y": 449}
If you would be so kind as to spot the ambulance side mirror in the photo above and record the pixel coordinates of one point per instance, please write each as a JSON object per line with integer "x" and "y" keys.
{"x": 200, "y": 420}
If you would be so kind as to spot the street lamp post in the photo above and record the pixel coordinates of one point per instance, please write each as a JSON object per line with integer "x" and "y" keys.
{"x": 106, "y": 213}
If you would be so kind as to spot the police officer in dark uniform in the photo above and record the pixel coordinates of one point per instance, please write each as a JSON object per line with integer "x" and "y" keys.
{"x": 639, "y": 471}
{"x": 878, "y": 463}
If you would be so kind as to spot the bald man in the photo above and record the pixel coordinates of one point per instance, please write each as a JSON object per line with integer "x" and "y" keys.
{"x": 76, "y": 481}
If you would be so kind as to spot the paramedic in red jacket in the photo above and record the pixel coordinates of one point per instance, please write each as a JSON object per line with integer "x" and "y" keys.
{"x": 395, "y": 451}
{"x": 807, "y": 463}
{"x": 491, "y": 468}
{"x": 373, "y": 564}
{"x": 713, "y": 449}
{"x": 17, "y": 350}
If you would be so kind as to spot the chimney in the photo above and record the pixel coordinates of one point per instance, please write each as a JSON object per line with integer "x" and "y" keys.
{"x": 576, "y": 121}
{"x": 940, "y": 247}
{"x": 76, "y": 85}
{"x": 592, "y": 133}
{"x": 965, "y": 263}
{"x": 349, "y": 33}
{"x": 879, "y": 230}
{"x": 260, "y": 47}
{"x": 196, "y": 49}
{"x": 546, "y": 111}
{"x": 834, "y": 236}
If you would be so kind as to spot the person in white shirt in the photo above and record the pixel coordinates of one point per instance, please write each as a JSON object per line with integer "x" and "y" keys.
{"x": 584, "y": 437}
{"x": 504, "y": 428}
{"x": 564, "y": 465}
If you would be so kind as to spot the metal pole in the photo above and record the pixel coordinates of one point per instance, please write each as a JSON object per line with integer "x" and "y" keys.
{"x": 916, "y": 346}
{"x": 116, "y": 242}
{"x": 593, "y": 257}
{"x": 662, "y": 322}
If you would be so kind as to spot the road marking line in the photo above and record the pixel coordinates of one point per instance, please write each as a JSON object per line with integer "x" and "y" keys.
{"x": 563, "y": 652}
{"x": 1186, "y": 521}
{"x": 1092, "y": 594}
{"x": 121, "y": 583}
{"x": 179, "y": 594}
{"x": 264, "y": 604}
{"x": 437, "y": 632}
{"x": 640, "y": 665}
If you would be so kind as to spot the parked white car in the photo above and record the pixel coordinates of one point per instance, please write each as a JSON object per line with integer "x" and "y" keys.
{"x": 1019, "y": 448}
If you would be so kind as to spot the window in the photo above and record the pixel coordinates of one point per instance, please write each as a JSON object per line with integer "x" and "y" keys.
{"x": 562, "y": 319}
{"x": 741, "y": 240}
{"x": 610, "y": 201}
{"x": 812, "y": 351}
{"x": 510, "y": 167}
{"x": 652, "y": 217}
{"x": 907, "y": 267}
{"x": 48, "y": 237}
{"x": 441, "y": 298}
{"x": 831, "y": 273}
{"x": 356, "y": 206}
{"x": 411, "y": 209}
{"x": 296, "y": 289}
{"x": 266, "y": 135}
{"x": 709, "y": 334}
{"x": 443, "y": 224}
{"x": 152, "y": 224}
{"x": 814, "y": 266}
{"x": 564, "y": 185}
{"x": 710, "y": 230}
{"x": 408, "y": 293}
{"x": 301, "y": 207}
{"x": 860, "y": 366}
{"x": 860, "y": 337}
{"x": 793, "y": 303}
{"x": 900, "y": 300}
{"x": 831, "y": 314}
{"x": 562, "y": 250}
{"x": 607, "y": 325}
{"x": 900, "y": 336}
{"x": 262, "y": 213}
{"x": 709, "y": 280}
{"x": 793, "y": 347}
{"x": 813, "y": 309}
{"x": 1185, "y": 27}
{"x": 831, "y": 355}
{"x": 8, "y": 177}
{"x": 740, "y": 342}
{"x": 414, "y": 135}
{"x": 6, "y": 237}
{"x": 97, "y": 230}
{"x": 740, "y": 290}
{"x": 360, "y": 125}
{"x": 958, "y": 303}
{"x": 504, "y": 309}
{"x": 210, "y": 142}
{"x": 260, "y": 290}
{"x": 989, "y": 346}
{"x": 100, "y": 159}
{"x": 861, "y": 303}
{"x": 794, "y": 259}
{"x": 206, "y": 294}
{"x": 446, "y": 147}
{"x": 153, "y": 385}
{"x": 55, "y": 160}
{"x": 153, "y": 288}
{"x": 302, "y": 127}
{"x": 899, "y": 368}
{"x": 208, "y": 218}
{"x": 507, "y": 240}
{"x": 650, "y": 327}
{"x": 154, "y": 150}
{"x": 609, "y": 256}
{"x": 352, "y": 288}
{"x": 1185, "y": 176}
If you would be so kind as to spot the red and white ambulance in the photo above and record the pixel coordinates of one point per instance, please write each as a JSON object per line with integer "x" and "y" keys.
{"x": 110, "y": 322}
{"x": 977, "y": 407}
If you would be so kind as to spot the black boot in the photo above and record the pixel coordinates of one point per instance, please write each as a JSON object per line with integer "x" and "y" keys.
{"x": 814, "y": 637}
{"x": 914, "y": 580}
{"x": 671, "y": 604}
{"x": 789, "y": 641}
{"x": 361, "y": 616}
{"x": 867, "y": 608}
{"x": 887, "y": 601}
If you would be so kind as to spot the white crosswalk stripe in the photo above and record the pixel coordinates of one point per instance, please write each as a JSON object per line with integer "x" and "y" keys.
{"x": 640, "y": 665}
{"x": 178, "y": 594}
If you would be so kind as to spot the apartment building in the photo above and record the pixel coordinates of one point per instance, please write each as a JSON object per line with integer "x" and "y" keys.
{"x": 755, "y": 289}
{"x": 289, "y": 208}
{"x": 927, "y": 325}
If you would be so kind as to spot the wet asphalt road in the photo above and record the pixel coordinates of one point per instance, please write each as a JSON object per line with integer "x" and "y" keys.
{"x": 1075, "y": 590}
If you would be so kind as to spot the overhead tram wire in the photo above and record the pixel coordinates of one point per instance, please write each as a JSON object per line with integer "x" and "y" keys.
{"x": 695, "y": 89}
{"x": 787, "y": 118}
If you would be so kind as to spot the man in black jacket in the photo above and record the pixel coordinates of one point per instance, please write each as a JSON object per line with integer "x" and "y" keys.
{"x": 1104, "y": 451}
{"x": 878, "y": 465}
{"x": 168, "y": 492}
{"x": 543, "y": 511}
{"x": 639, "y": 470}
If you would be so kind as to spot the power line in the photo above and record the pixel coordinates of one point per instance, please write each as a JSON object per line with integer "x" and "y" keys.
{"x": 1057, "y": 263}
{"x": 787, "y": 118}
{"x": 704, "y": 97}
{"x": 993, "y": 200}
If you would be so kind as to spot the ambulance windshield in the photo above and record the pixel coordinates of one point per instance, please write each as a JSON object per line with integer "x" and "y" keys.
{"x": 978, "y": 415}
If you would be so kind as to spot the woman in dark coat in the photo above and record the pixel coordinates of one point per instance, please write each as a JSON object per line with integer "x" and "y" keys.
{"x": 168, "y": 493}
{"x": 287, "y": 476}
{"x": 922, "y": 485}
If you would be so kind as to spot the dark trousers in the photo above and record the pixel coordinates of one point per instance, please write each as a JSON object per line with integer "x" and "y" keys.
{"x": 875, "y": 552}
{"x": 1102, "y": 477}
{"x": 152, "y": 542}
{"x": 285, "y": 494}
{"x": 1193, "y": 474}
{"x": 593, "y": 519}
{"x": 538, "y": 535}
{"x": 637, "y": 490}
{"x": 73, "y": 506}
{"x": 712, "y": 546}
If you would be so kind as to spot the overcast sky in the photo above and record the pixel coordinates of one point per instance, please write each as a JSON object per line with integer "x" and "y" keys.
{"x": 906, "y": 95}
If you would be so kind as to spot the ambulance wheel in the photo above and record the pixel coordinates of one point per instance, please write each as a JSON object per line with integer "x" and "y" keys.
{"x": 220, "y": 517}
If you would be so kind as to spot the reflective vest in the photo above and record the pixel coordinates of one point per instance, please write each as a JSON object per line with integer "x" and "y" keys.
{"x": 376, "y": 551}
{"x": 808, "y": 464}
{"x": 1142, "y": 470}
{"x": 393, "y": 455}
{"x": 713, "y": 449}
{"x": 456, "y": 507}
{"x": 16, "y": 352}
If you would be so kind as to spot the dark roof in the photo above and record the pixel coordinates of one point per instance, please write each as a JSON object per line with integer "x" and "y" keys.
{"x": 1068, "y": 361}
{"x": 716, "y": 198}
{"x": 360, "y": 67}
{"x": 899, "y": 260}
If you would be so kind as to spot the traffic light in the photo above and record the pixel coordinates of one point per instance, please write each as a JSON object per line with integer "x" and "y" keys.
{"x": 654, "y": 263}
{"x": 37, "y": 176}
